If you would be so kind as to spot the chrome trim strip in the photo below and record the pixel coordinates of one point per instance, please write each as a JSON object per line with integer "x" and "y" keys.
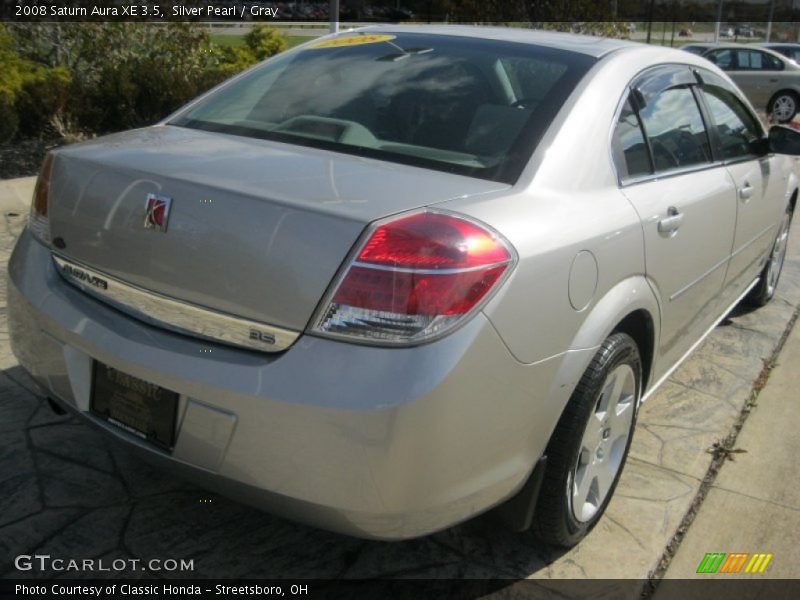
{"x": 174, "y": 314}
{"x": 660, "y": 175}
{"x": 377, "y": 267}
{"x": 746, "y": 245}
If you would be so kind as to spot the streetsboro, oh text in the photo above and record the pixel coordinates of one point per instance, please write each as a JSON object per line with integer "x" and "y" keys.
{"x": 150, "y": 590}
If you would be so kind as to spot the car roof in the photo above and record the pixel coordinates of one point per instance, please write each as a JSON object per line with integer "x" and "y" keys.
{"x": 710, "y": 45}
{"x": 735, "y": 46}
{"x": 584, "y": 44}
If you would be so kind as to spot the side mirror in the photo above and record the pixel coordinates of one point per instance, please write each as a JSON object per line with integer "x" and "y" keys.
{"x": 784, "y": 140}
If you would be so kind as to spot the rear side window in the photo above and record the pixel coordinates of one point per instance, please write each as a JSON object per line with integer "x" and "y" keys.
{"x": 629, "y": 145}
{"x": 674, "y": 127}
{"x": 735, "y": 126}
{"x": 723, "y": 59}
{"x": 751, "y": 60}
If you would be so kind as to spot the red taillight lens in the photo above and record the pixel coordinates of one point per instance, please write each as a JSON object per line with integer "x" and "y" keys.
{"x": 42, "y": 190}
{"x": 416, "y": 277}
{"x": 38, "y": 221}
{"x": 433, "y": 241}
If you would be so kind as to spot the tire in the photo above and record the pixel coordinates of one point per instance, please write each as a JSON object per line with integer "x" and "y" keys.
{"x": 783, "y": 106}
{"x": 587, "y": 451}
{"x": 764, "y": 290}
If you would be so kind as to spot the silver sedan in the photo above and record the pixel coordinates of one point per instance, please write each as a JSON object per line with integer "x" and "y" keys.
{"x": 397, "y": 277}
{"x": 768, "y": 77}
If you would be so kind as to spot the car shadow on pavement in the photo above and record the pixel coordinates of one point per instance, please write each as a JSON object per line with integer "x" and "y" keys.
{"x": 740, "y": 310}
{"x": 71, "y": 492}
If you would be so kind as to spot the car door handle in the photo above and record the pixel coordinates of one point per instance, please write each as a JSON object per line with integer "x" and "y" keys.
{"x": 774, "y": 80}
{"x": 746, "y": 191}
{"x": 671, "y": 223}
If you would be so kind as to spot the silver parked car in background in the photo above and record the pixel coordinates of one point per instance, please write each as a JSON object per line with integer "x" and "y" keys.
{"x": 769, "y": 79}
{"x": 790, "y": 51}
{"x": 394, "y": 278}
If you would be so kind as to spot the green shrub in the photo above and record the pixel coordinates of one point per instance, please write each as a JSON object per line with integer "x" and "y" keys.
{"x": 101, "y": 77}
{"x": 43, "y": 99}
{"x": 8, "y": 118}
{"x": 264, "y": 41}
{"x": 261, "y": 42}
{"x": 225, "y": 62}
{"x": 10, "y": 84}
{"x": 149, "y": 73}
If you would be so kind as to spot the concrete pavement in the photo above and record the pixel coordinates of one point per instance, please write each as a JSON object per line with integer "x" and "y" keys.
{"x": 15, "y": 194}
{"x": 753, "y": 505}
{"x": 68, "y": 491}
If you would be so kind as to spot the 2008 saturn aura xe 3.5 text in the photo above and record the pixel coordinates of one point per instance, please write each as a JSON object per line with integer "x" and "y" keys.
{"x": 397, "y": 277}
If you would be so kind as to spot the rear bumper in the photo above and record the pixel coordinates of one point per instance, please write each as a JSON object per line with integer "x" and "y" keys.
{"x": 375, "y": 442}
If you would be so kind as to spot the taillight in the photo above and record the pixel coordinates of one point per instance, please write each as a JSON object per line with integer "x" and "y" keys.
{"x": 38, "y": 222}
{"x": 414, "y": 278}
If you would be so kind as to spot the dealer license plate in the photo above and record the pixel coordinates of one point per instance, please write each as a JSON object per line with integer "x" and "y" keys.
{"x": 137, "y": 406}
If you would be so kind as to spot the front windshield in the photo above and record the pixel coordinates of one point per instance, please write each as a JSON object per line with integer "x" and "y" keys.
{"x": 465, "y": 105}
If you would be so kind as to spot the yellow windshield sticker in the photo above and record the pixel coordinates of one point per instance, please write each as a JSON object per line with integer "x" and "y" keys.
{"x": 352, "y": 40}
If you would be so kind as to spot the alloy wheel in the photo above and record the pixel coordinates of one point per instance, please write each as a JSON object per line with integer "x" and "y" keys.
{"x": 778, "y": 254}
{"x": 603, "y": 445}
{"x": 784, "y": 108}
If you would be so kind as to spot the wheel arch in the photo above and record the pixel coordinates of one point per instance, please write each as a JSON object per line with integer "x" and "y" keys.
{"x": 630, "y": 307}
{"x": 639, "y": 325}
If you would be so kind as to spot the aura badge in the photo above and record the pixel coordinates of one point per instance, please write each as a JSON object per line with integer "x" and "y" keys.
{"x": 156, "y": 212}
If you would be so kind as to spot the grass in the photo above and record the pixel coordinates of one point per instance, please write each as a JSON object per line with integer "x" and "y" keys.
{"x": 294, "y": 40}
{"x": 227, "y": 41}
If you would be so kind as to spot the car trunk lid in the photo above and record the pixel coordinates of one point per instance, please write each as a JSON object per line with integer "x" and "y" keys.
{"x": 256, "y": 229}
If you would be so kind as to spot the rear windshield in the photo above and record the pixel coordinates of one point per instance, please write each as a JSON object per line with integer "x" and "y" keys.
{"x": 464, "y": 105}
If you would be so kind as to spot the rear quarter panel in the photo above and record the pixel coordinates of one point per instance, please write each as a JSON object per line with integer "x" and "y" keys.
{"x": 568, "y": 202}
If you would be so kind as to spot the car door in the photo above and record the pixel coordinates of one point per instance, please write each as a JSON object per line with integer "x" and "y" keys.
{"x": 725, "y": 59}
{"x": 738, "y": 136}
{"x": 686, "y": 203}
